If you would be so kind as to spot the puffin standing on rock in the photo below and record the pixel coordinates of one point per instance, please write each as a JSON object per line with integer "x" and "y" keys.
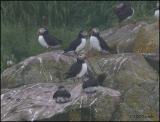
{"x": 78, "y": 69}
{"x": 78, "y": 44}
{"x": 124, "y": 11}
{"x": 62, "y": 95}
{"x": 98, "y": 43}
{"x": 156, "y": 12}
{"x": 90, "y": 85}
{"x": 46, "y": 40}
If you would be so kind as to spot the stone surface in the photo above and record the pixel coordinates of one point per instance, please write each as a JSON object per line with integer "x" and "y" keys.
{"x": 138, "y": 37}
{"x": 147, "y": 40}
{"x": 45, "y": 67}
{"x": 34, "y": 102}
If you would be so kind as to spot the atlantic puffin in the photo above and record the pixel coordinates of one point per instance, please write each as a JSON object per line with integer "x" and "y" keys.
{"x": 123, "y": 11}
{"x": 62, "y": 95}
{"x": 77, "y": 69}
{"x": 98, "y": 43}
{"x": 46, "y": 40}
{"x": 10, "y": 61}
{"x": 156, "y": 12}
{"x": 90, "y": 85}
{"x": 78, "y": 44}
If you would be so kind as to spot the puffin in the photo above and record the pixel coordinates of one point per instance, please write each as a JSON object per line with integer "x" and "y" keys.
{"x": 62, "y": 95}
{"x": 78, "y": 44}
{"x": 90, "y": 85}
{"x": 77, "y": 69}
{"x": 10, "y": 60}
{"x": 46, "y": 40}
{"x": 156, "y": 12}
{"x": 98, "y": 43}
{"x": 123, "y": 11}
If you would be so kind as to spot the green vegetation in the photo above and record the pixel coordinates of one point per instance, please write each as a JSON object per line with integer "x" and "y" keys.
{"x": 21, "y": 19}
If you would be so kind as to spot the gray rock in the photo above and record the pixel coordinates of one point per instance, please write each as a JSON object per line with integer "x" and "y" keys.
{"x": 153, "y": 60}
{"x": 46, "y": 67}
{"x": 34, "y": 102}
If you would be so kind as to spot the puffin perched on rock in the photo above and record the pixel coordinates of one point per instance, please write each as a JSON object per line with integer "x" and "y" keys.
{"x": 124, "y": 11}
{"x": 78, "y": 69}
{"x": 46, "y": 40}
{"x": 62, "y": 95}
{"x": 91, "y": 84}
{"x": 78, "y": 44}
{"x": 156, "y": 12}
{"x": 98, "y": 43}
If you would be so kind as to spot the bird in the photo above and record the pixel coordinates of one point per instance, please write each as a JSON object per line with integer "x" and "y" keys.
{"x": 10, "y": 60}
{"x": 98, "y": 43}
{"x": 91, "y": 84}
{"x": 156, "y": 12}
{"x": 46, "y": 40}
{"x": 78, "y": 44}
{"x": 62, "y": 95}
{"x": 123, "y": 11}
{"x": 77, "y": 69}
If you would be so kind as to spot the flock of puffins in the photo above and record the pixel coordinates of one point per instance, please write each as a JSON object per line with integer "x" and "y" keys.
{"x": 79, "y": 69}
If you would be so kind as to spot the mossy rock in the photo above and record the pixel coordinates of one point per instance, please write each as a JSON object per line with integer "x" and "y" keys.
{"x": 147, "y": 40}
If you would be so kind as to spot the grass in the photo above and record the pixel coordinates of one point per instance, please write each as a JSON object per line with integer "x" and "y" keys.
{"x": 21, "y": 19}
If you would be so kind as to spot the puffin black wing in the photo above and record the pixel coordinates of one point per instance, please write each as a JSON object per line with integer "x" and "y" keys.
{"x": 56, "y": 94}
{"x": 74, "y": 70}
{"x": 103, "y": 44}
{"x": 73, "y": 45}
{"x": 91, "y": 82}
{"x": 67, "y": 94}
{"x": 53, "y": 41}
{"x": 124, "y": 11}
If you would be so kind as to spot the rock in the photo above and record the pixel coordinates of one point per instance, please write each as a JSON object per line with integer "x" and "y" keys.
{"x": 137, "y": 106}
{"x": 45, "y": 67}
{"x": 122, "y": 68}
{"x": 136, "y": 80}
{"x": 34, "y": 102}
{"x": 139, "y": 37}
{"x": 122, "y": 39}
{"x": 147, "y": 40}
{"x": 153, "y": 60}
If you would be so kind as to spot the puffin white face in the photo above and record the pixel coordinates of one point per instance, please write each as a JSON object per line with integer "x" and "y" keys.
{"x": 41, "y": 31}
{"x": 82, "y": 56}
{"x": 120, "y": 5}
{"x": 84, "y": 33}
{"x": 95, "y": 30}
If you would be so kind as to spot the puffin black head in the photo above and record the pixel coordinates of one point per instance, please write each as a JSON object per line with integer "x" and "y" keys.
{"x": 61, "y": 93}
{"x": 123, "y": 10}
{"x": 79, "y": 60}
{"x": 42, "y": 31}
{"x": 82, "y": 34}
{"x": 60, "y": 87}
